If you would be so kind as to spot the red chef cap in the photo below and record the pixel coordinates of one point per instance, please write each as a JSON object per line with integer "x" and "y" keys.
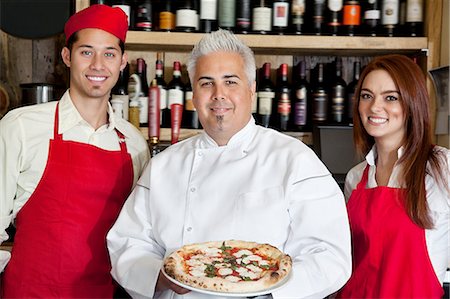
{"x": 111, "y": 19}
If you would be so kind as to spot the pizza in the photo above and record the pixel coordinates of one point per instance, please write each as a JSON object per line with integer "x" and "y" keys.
{"x": 228, "y": 266}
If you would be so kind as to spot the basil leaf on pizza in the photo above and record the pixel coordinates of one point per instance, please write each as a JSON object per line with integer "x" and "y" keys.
{"x": 228, "y": 266}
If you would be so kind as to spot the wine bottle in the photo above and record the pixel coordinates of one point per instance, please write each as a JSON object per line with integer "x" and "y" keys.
{"x": 352, "y": 17}
{"x": 390, "y": 16}
{"x": 351, "y": 88}
{"x": 319, "y": 97}
{"x": 316, "y": 11}
{"x": 414, "y": 17}
{"x": 143, "y": 16}
{"x": 371, "y": 13}
{"x": 190, "y": 117}
{"x": 141, "y": 71}
{"x": 120, "y": 91}
{"x": 166, "y": 15}
{"x": 227, "y": 14}
{"x": 161, "y": 83}
{"x": 301, "y": 99}
{"x": 126, "y": 7}
{"x": 208, "y": 15}
{"x": 337, "y": 94}
{"x": 153, "y": 116}
{"x": 265, "y": 96}
{"x": 283, "y": 99}
{"x": 280, "y": 16}
{"x": 243, "y": 16}
{"x": 298, "y": 16}
{"x": 175, "y": 88}
{"x": 262, "y": 16}
{"x": 186, "y": 16}
{"x": 334, "y": 16}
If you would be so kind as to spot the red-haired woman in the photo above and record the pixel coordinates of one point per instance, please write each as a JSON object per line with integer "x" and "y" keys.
{"x": 399, "y": 197}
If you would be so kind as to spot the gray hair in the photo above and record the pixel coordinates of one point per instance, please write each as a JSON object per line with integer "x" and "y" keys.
{"x": 222, "y": 40}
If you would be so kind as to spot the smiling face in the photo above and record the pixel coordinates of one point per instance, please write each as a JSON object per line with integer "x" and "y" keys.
{"x": 95, "y": 63}
{"x": 222, "y": 94}
{"x": 380, "y": 108}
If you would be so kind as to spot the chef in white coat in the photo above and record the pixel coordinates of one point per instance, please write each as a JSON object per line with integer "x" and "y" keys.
{"x": 237, "y": 180}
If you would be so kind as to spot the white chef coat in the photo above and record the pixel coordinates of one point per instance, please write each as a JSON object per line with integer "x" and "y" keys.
{"x": 438, "y": 199}
{"x": 263, "y": 186}
{"x": 25, "y": 135}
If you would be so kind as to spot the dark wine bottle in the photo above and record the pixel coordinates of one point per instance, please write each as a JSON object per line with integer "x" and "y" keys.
{"x": 337, "y": 94}
{"x": 190, "y": 117}
{"x": 283, "y": 99}
{"x": 316, "y": 11}
{"x": 227, "y": 14}
{"x": 265, "y": 96}
{"x": 280, "y": 20}
{"x": 208, "y": 15}
{"x": 143, "y": 15}
{"x": 351, "y": 88}
{"x": 390, "y": 16}
{"x": 352, "y": 17}
{"x": 167, "y": 15}
{"x": 186, "y": 16}
{"x": 334, "y": 16}
{"x": 141, "y": 71}
{"x": 298, "y": 16}
{"x": 371, "y": 13}
{"x": 243, "y": 16}
{"x": 120, "y": 91}
{"x": 414, "y": 17}
{"x": 300, "y": 99}
{"x": 175, "y": 88}
{"x": 261, "y": 16}
{"x": 319, "y": 97}
{"x": 161, "y": 83}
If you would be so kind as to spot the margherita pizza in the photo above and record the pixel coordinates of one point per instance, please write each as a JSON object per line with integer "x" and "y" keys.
{"x": 229, "y": 266}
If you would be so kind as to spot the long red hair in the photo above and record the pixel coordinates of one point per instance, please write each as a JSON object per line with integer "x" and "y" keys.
{"x": 418, "y": 147}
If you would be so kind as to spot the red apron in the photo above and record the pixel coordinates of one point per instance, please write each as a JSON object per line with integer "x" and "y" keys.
{"x": 390, "y": 256}
{"x": 60, "y": 245}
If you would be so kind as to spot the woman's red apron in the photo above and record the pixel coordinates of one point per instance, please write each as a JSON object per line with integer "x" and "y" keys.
{"x": 390, "y": 256}
{"x": 60, "y": 245}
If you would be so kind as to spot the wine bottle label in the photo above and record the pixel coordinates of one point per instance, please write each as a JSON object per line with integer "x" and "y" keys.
{"x": 352, "y": 15}
{"x": 335, "y": 5}
{"x": 320, "y": 106}
{"x": 117, "y": 106}
{"x": 372, "y": 14}
{"x": 284, "y": 104}
{"x": 126, "y": 9}
{"x": 390, "y": 13}
{"x": 162, "y": 97}
{"x": 414, "y": 12}
{"x": 262, "y": 17}
{"x": 265, "y": 99}
{"x": 297, "y": 12}
{"x": 280, "y": 14}
{"x": 143, "y": 25}
{"x": 125, "y": 103}
{"x": 143, "y": 110}
{"x": 186, "y": 18}
{"x": 227, "y": 13}
{"x": 189, "y": 104}
{"x": 208, "y": 9}
{"x": 175, "y": 96}
{"x": 300, "y": 113}
{"x": 166, "y": 20}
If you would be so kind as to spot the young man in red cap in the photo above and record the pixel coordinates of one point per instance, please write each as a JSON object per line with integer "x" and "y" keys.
{"x": 67, "y": 168}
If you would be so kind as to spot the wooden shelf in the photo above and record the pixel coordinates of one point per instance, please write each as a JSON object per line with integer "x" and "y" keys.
{"x": 165, "y": 134}
{"x": 283, "y": 44}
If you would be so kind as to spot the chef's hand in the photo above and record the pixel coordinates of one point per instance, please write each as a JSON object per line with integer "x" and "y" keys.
{"x": 164, "y": 284}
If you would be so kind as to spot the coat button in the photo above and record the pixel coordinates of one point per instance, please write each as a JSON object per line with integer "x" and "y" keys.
{"x": 189, "y": 229}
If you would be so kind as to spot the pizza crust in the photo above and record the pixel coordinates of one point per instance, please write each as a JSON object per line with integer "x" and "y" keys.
{"x": 175, "y": 266}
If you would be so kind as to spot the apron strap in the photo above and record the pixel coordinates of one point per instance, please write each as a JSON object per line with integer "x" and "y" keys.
{"x": 362, "y": 184}
{"x": 56, "y": 136}
{"x": 122, "y": 143}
